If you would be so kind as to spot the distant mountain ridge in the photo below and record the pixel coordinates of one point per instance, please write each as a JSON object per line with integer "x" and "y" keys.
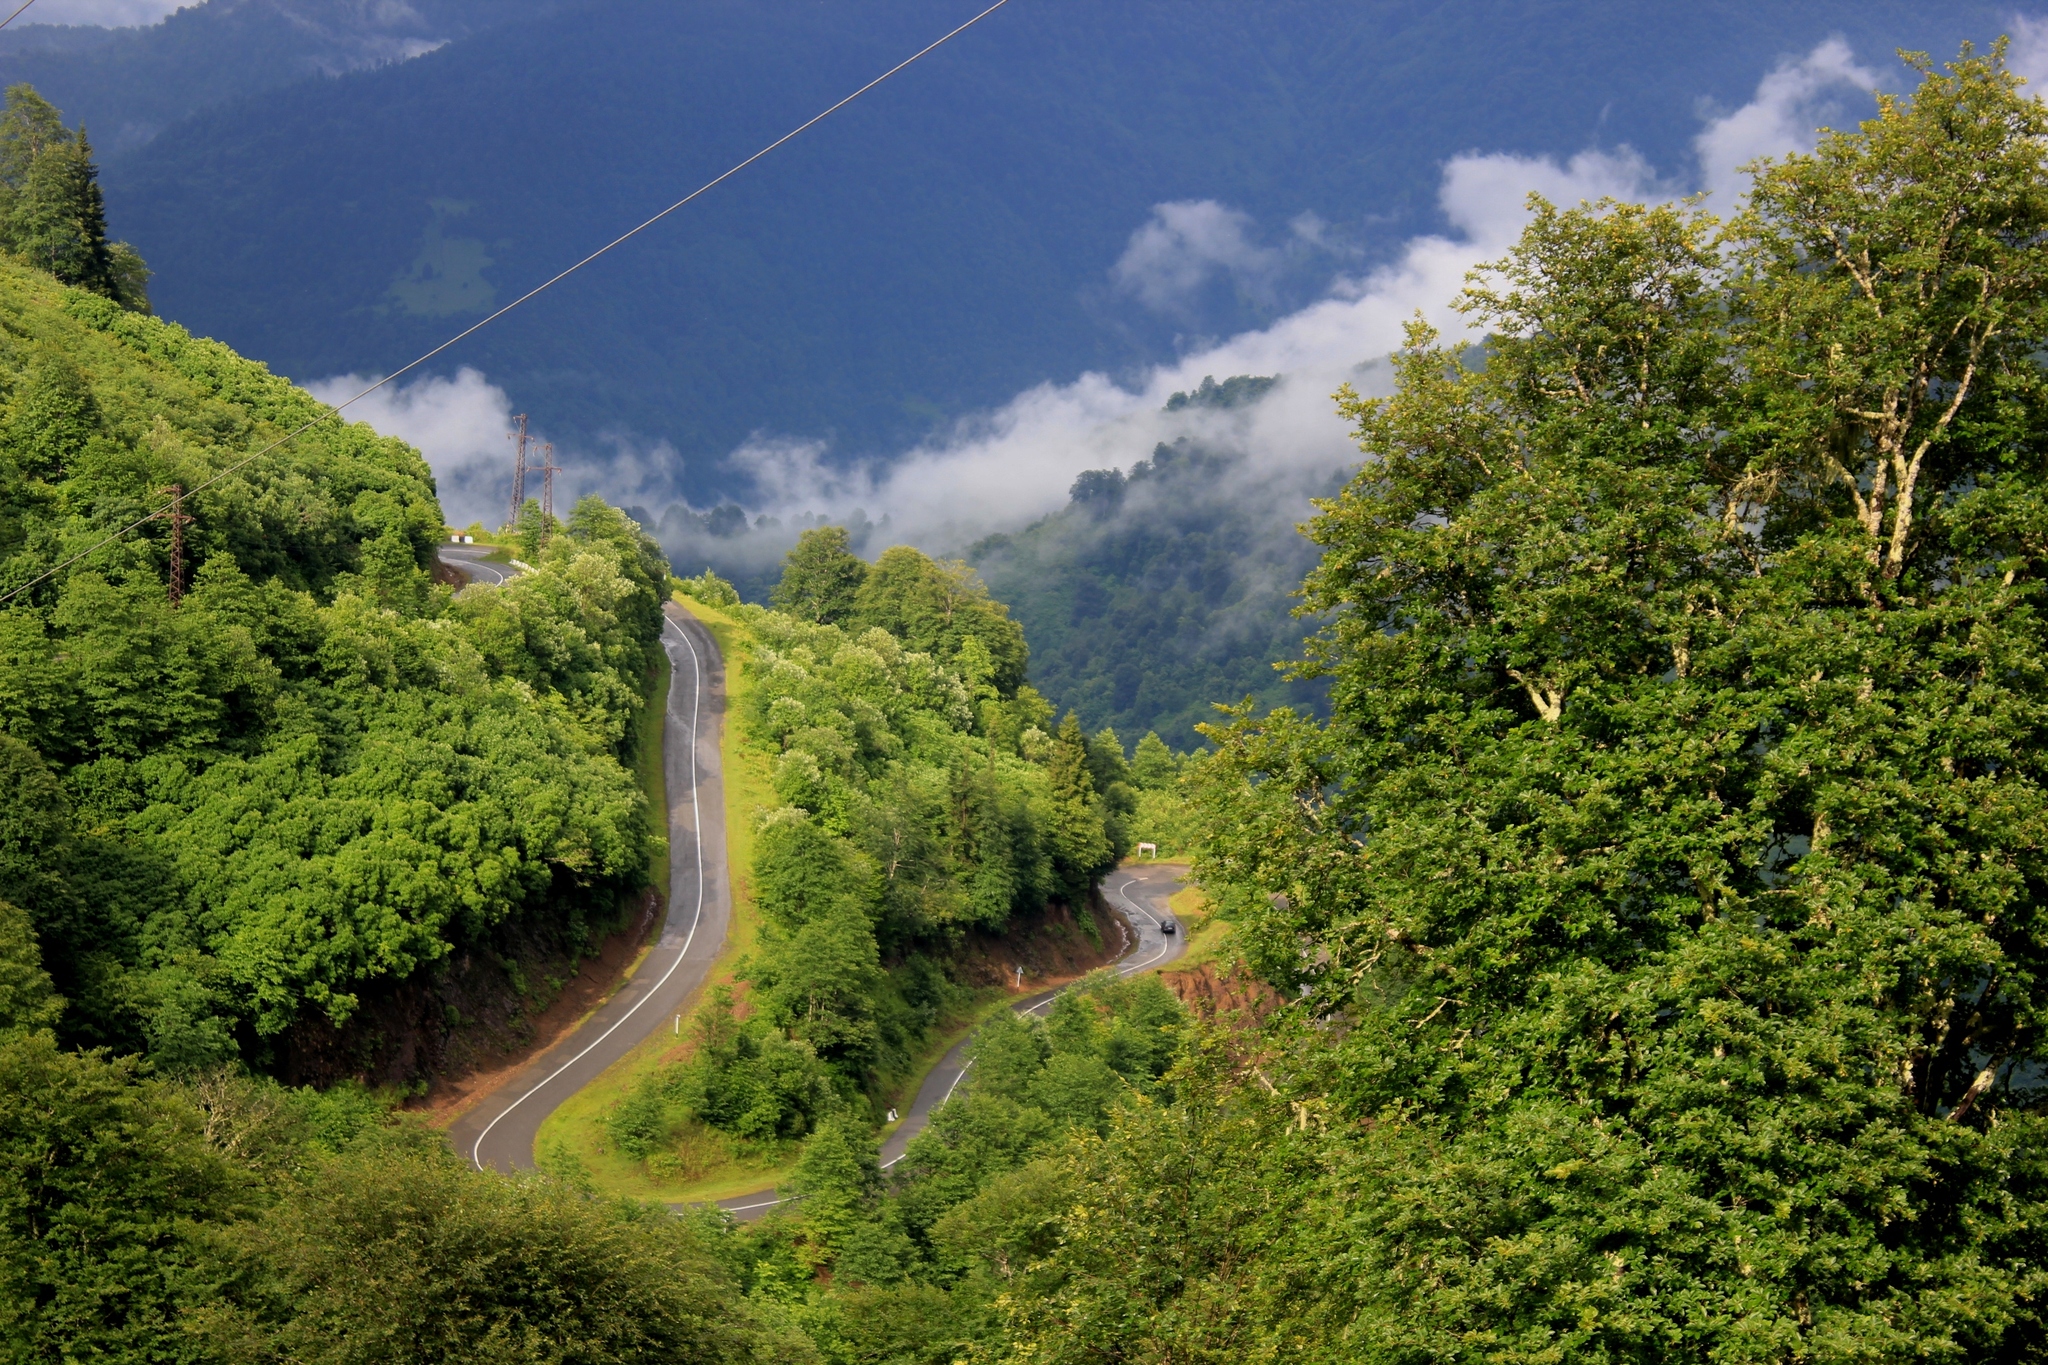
{"x": 933, "y": 250}
{"x": 129, "y": 84}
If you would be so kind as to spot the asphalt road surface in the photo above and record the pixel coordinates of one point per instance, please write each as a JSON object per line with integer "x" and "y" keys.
{"x": 499, "y": 1133}
{"x": 468, "y": 560}
{"x": 1141, "y": 893}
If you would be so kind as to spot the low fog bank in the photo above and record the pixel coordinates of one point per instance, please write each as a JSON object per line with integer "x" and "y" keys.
{"x": 1003, "y": 469}
{"x": 1249, "y": 465}
{"x": 1167, "y": 586}
{"x": 1159, "y": 585}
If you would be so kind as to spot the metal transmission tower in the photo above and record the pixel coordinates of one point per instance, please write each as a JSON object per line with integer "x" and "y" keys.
{"x": 178, "y": 519}
{"x": 518, "y": 467}
{"x": 548, "y": 470}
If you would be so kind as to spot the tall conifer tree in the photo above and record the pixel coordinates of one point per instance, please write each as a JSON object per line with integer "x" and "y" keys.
{"x": 52, "y": 210}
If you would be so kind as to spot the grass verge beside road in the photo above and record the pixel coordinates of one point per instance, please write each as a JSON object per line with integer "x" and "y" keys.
{"x": 649, "y": 775}
{"x": 575, "y": 1130}
{"x": 1207, "y": 935}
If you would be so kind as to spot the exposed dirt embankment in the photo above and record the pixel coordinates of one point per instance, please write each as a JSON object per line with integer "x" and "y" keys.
{"x": 463, "y": 1023}
{"x": 1051, "y": 947}
{"x": 1219, "y": 994}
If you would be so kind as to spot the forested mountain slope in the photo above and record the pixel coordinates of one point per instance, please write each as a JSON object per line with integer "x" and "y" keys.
{"x": 1664, "y": 895}
{"x": 1168, "y": 586}
{"x": 319, "y": 774}
{"x": 235, "y": 817}
{"x": 1653, "y": 930}
{"x": 936, "y": 249}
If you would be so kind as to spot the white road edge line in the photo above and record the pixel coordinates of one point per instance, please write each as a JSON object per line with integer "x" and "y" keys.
{"x": 697, "y": 824}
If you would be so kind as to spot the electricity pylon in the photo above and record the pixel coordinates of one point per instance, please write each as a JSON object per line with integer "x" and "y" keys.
{"x": 179, "y": 521}
{"x": 548, "y": 470}
{"x": 518, "y": 467}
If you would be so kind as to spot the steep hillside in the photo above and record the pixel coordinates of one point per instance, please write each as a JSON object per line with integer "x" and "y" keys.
{"x": 232, "y": 821}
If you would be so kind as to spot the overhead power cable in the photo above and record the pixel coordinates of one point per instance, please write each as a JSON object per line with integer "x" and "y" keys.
{"x": 17, "y": 13}
{"x": 479, "y": 325}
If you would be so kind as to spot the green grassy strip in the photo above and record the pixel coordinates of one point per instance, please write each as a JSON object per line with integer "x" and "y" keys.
{"x": 574, "y": 1129}
{"x": 1207, "y": 935}
{"x": 651, "y": 774}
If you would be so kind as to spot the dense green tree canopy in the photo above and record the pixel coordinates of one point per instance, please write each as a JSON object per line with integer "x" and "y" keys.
{"x": 101, "y": 1175}
{"x": 821, "y": 578}
{"x": 398, "y": 1251}
{"x": 1665, "y": 889}
{"x": 920, "y": 800}
{"x": 320, "y": 773}
{"x": 938, "y": 607}
{"x": 232, "y": 1219}
{"x": 915, "y": 786}
{"x": 919, "y": 804}
{"x": 923, "y": 1256}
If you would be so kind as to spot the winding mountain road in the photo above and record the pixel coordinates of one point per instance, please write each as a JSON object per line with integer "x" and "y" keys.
{"x": 500, "y": 1132}
{"x": 469, "y": 561}
{"x": 1141, "y": 893}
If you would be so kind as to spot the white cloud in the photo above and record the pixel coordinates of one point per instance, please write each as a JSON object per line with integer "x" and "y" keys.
{"x": 1486, "y": 198}
{"x": 463, "y": 425}
{"x": 1790, "y": 105}
{"x": 1007, "y": 467}
{"x": 97, "y": 13}
{"x": 1004, "y": 468}
{"x": 2029, "y": 52}
{"x": 458, "y": 423}
{"x": 1001, "y": 469}
{"x": 1185, "y": 245}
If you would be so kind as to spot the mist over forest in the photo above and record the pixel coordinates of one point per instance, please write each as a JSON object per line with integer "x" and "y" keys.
{"x": 1124, "y": 184}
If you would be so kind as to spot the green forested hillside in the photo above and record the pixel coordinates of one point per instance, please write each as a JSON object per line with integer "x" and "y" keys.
{"x": 1654, "y": 926}
{"x": 233, "y": 820}
{"x": 319, "y": 774}
{"x": 1664, "y": 894}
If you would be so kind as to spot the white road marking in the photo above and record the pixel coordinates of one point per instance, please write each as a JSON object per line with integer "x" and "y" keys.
{"x": 697, "y": 825}
{"x": 766, "y": 1204}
